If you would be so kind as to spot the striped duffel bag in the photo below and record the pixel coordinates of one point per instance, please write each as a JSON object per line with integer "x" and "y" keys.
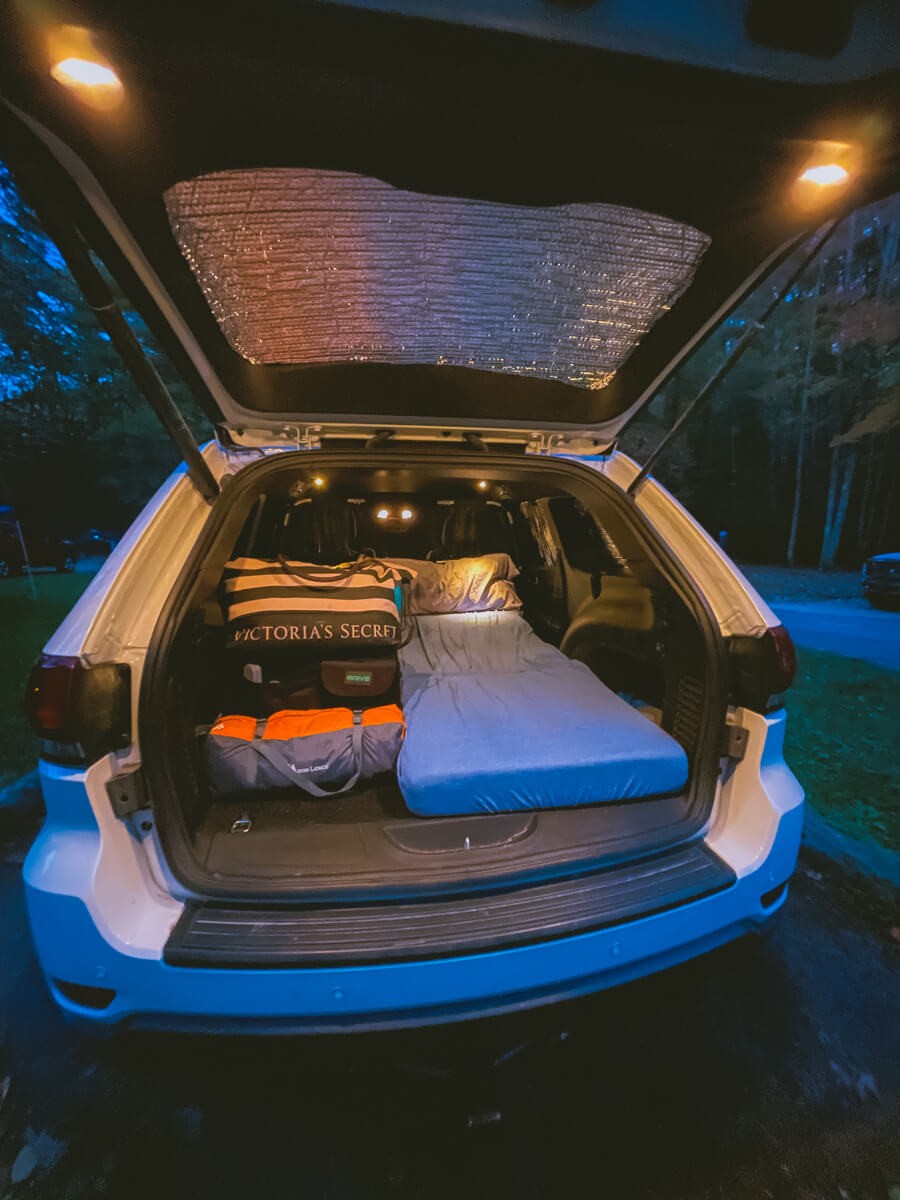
{"x": 324, "y": 751}
{"x": 278, "y": 603}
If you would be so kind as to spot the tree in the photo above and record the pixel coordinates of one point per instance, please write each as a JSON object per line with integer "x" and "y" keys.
{"x": 796, "y": 452}
{"x": 69, "y": 411}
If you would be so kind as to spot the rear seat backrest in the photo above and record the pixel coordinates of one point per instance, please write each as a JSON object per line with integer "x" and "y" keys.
{"x": 474, "y": 527}
{"x": 320, "y": 530}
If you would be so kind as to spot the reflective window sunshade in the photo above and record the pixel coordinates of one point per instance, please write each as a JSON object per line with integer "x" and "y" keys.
{"x": 301, "y": 266}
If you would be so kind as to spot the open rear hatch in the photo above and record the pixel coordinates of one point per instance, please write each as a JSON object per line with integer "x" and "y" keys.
{"x": 344, "y": 220}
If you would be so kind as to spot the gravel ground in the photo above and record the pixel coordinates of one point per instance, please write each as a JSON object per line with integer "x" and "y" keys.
{"x": 768, "y": 1069}
{"x": 804, "y": 583}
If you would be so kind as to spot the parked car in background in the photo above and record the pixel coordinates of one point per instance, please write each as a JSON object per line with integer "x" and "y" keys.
{"x": 93, "y": 542}
{"x": 40, "y": 550}
{"x": 881, "y": 580}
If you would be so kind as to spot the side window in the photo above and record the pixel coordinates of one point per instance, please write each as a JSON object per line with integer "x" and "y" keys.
{"x": 583, "y": 543}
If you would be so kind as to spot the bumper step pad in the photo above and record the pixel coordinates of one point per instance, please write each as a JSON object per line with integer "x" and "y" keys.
{"x": 221, "y": 935}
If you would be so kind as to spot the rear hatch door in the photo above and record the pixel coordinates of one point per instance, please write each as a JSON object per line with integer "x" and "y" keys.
{"x": 513, "y": 222}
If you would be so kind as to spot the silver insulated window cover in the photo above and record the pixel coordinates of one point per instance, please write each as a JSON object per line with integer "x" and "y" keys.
{"x": 302, "y": 266}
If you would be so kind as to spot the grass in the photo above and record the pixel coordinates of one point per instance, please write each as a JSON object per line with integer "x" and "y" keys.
{"x": 843, "y": 743}
{"x": 26, "y": 624}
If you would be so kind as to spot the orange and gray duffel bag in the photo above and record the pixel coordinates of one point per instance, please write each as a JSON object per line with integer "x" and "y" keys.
{"x": 325, "y": 751}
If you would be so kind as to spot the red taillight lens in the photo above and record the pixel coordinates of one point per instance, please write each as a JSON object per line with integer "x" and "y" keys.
{"x": 783, "y": 659}
{"x": 762, "y": 668}
{"x": 79, "y": 712}
{"x": 47, "y": 699}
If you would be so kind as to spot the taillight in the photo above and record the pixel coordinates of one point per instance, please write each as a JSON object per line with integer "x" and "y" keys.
{"x": 78, "y": 712}
{"x": 762, "y": 669}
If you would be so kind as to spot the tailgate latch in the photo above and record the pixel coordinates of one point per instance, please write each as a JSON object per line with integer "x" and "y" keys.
{"x": 734, "y": 742}
{"x": 127, "y": 793}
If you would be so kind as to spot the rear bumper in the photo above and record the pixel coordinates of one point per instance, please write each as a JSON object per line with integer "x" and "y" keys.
{"x": 101, "y": 921}
{"x": 154, "y": 994}
{"x": 874, "y": 585}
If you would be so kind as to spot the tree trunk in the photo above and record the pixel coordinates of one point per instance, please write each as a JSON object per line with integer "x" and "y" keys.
{"x": 833, "y": 475}
{"x": 803, "y": 421}
{"x": 870, "y": 491}
{"x": 798, "y": 478}
{"x": 774, "y": 435}
{"x": 879, "y": 493}
{"x": 838, "y": 503}
{"x": 886, "y": 510}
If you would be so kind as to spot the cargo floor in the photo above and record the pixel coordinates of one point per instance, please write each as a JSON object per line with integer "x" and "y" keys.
{"x": 292, "y": 833}
{"x": 369, "y": 839}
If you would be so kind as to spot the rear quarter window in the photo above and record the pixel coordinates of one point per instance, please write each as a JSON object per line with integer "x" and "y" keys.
{"x": 582, "y": 541}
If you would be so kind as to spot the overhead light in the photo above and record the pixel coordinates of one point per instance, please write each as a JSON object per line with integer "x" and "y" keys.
{"x": 318, "y": 481}
{"x": 82, "y": 72}
{"x": 826, "y": 175}
{"x": 481, "y": 485}
{"x": 382, "y": 514}
{"x": 828, "y": 170}
{"x": 406, "y": 514}
{"x": 78, "y": 64}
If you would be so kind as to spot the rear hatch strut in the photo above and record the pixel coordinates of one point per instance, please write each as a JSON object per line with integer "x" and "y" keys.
{"x": 77, "y": 255}
{"x": 754, "y": 327}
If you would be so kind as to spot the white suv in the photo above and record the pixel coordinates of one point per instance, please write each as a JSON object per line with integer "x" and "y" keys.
{"x": 422, "y": 351}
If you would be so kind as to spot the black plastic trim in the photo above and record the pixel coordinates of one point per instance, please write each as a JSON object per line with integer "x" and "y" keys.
{"x": 217, "y": 935}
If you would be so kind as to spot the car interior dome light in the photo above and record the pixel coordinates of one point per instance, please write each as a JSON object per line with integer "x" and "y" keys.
{"x": 83, "y": 72}
{"x": 382, "y": 514}
{"x": 826, "y": 174}
{"x": 482, "y": 485}
{"x": 406, "y": 514}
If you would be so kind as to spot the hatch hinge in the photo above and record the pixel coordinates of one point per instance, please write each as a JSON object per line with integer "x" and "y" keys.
{"x": 127, "y": 793}
{"x": 734, "y": 742}
{"x": 576, "y": 444}
{"x": 380, "y": 439}
{"x": 309, "y": 437}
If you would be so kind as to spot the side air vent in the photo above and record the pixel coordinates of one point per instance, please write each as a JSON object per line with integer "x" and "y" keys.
{"x": 688, "y": 709}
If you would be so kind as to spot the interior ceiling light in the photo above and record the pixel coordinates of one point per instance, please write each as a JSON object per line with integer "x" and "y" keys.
{"x": 382, "y": 514}
{"x": 78, "y": 65}
{"x": 825, "y": 175}
{"x": 318, "y": 481}
{"x": 406, "y": 514}
{"x": 82, "y": 72}
{"x": 482, "y": 485}
{"x": 829, "y": 169}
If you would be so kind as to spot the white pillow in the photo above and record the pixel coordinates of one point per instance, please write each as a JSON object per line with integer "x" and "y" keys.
{"x": 479, "y": 584}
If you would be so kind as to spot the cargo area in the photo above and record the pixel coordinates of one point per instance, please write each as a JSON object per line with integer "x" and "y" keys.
{"x": 397, "y": 675}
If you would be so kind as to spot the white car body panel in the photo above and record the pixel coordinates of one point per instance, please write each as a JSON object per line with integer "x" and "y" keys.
{"x": 103, "y": 902}
{"x": 737, "y": 606}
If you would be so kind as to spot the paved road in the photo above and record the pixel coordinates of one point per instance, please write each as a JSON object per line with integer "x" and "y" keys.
{"x": 844, "y": 628}
{"x": 765, "y": 1070}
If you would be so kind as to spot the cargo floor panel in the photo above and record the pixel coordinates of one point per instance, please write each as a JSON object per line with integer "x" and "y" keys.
{"x": 368, "y": 840}
{"x": 219, "y": 935}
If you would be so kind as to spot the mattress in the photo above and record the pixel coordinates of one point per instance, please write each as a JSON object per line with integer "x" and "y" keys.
{"x": 499, "y": 721}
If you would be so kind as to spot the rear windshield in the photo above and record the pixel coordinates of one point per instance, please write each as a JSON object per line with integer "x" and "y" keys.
{"x": 302, "y": 266}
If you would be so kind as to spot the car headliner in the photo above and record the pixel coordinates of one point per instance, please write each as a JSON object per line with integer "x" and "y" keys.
{"x": 438, "y": 109}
